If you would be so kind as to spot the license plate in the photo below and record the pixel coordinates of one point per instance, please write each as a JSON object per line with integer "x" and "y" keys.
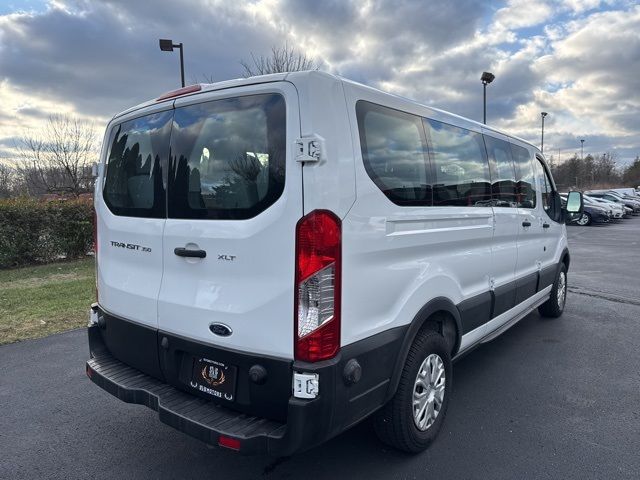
{"x": 214, "y": 378}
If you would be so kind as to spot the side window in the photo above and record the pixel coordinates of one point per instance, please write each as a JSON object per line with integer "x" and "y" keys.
{"x": 133, "y": 185}
{"x": 503, "y": 176}
{"x": 460, "y": 165}
{"x": 525, "y": 180}
{"x": 394, "y": 153}
{"x": 549, "y": 203}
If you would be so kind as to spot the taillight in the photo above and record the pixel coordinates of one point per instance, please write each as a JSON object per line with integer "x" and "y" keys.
{"x": 318, "y": 274}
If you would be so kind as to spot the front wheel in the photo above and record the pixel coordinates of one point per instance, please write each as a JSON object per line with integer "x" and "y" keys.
{"x": 413, "y": 417}
{"x": 584, "y": 220}
{"x": 555, "y": 305}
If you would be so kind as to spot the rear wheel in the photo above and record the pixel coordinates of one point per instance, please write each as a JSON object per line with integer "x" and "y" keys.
{"x": 584, "y": 220}
{"x": 413, "y": 417}
{"x": 555, "y": 305}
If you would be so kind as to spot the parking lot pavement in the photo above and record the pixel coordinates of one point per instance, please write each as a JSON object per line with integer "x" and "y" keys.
{"x": 548, "y": 399}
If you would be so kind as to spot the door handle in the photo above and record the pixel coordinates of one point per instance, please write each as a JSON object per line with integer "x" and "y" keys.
{"x": 545, "y": 225}
{"x": 526, "y": 224}
{"x": 183, "y": 252}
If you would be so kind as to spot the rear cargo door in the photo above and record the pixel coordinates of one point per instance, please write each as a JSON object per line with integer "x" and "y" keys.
{"x": 130, "y": 203}
{"x": 234, "y": 197}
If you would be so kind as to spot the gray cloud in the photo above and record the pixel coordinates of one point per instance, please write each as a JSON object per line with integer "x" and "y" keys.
{"x": 102, "y": 57}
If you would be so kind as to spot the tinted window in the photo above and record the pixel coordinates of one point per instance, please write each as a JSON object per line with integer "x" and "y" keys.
{"x": 525, "y": 182}
{"x": 394, "y": 153}
{"x": 503, "y": 178}
{"x": 460, "y": 166}
{"x": 550, "y": 201}
{"x": 133, "y": 182}
{"x": 227, "y": 157}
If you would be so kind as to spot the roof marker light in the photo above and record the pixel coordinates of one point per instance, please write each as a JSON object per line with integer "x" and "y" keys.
{"x": 179, "y": 92}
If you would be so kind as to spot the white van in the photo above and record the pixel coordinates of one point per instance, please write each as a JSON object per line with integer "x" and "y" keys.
{"x": 280, "y": 257}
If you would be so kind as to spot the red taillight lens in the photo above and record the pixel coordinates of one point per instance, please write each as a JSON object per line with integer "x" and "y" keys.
{"x": 228, "y": 442}
{"x": 179, "y": 92}
{"x": 318, "y": 274}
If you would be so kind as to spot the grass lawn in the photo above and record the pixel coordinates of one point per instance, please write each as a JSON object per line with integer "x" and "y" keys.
{"x": 41, "y": 300}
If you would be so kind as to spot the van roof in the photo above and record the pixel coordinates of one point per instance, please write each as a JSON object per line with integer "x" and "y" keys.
{"x": 298, "y": 77}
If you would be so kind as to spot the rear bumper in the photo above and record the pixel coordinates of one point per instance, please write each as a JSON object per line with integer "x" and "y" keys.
{"x": 306, "y": 423}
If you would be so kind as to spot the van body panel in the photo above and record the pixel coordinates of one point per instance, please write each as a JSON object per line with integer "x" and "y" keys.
{"x": 396, "y": 258}
{"x": 330, "y": 183}
{"x": 246, "y": 279}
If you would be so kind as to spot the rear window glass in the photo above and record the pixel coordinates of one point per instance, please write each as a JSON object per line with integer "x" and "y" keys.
{"x": 138, "y": 149}
{"x": 394, "y": 153}
{"x": 227, "y": 157}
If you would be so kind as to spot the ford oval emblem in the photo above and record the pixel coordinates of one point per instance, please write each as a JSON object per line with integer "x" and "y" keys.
{"x": 220, "y": 329}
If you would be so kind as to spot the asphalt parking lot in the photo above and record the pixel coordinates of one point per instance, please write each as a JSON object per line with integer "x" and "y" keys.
{"x": 548, "y": 399}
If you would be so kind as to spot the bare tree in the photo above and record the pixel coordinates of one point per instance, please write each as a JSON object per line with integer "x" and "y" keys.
{"x": 282, "y": 59}
{"x": 58, "y": 158}
{"x": 6, "y": 180}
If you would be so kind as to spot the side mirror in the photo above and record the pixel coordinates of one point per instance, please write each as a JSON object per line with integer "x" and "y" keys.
{"x": 575, "y": 205}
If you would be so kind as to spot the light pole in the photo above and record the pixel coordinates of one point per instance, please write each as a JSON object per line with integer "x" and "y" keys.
{"x": 542, "y": 114}
{"x": 168, "y": 46}
{"x": 582, "y": 149}
{"x": 486, "y": 79}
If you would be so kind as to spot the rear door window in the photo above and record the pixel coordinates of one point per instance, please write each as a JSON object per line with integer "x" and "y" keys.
{"x": 138, "y": 150}
{"x": 227, "y": 157}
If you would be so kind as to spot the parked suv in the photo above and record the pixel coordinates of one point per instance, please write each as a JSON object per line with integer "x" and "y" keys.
{"x": 280, "y": 257}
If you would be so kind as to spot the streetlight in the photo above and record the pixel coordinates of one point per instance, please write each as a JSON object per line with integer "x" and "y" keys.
{"x": 486, "y": 79}
{"x": 168, "y": 46}
{"x": 542, "y": 114}
{"x": 582, "y": 149}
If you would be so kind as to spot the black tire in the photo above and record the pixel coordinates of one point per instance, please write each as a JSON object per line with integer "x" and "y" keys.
{"x": 554, "y": 307}
{"x": 585, "y": 219}
{"x": 394, "y": 423}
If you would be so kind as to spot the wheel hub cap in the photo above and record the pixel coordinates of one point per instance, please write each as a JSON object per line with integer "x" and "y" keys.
{"x": 562, "y": 289}
{"x": 428, "y": 392}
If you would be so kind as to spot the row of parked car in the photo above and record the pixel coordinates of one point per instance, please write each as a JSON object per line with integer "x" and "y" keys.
{"x": 603, "y": 206}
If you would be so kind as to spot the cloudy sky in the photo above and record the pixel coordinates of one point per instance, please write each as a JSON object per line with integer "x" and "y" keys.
{"x": 579, "y": 60}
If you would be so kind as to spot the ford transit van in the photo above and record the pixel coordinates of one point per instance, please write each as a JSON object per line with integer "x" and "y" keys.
{"x": 281, "y": 257}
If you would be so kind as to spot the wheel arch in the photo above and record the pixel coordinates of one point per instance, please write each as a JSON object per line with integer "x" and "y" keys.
{"x": 439, "y": 314}
{"x": 565, "y": 258}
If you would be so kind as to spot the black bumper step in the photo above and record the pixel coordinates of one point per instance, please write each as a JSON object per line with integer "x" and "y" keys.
{"x": 192, "y": 415}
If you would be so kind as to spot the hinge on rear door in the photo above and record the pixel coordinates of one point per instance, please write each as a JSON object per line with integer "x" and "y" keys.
{"x": 309, "y": 149}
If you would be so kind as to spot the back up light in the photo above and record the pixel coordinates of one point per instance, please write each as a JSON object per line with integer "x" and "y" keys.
{"x": 318, "y": 274}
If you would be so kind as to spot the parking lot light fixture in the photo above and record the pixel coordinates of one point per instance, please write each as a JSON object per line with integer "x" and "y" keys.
{"x": 167, "y": 45}
{"x": 582, "y": 149}
{"x": 486, "y": 79}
